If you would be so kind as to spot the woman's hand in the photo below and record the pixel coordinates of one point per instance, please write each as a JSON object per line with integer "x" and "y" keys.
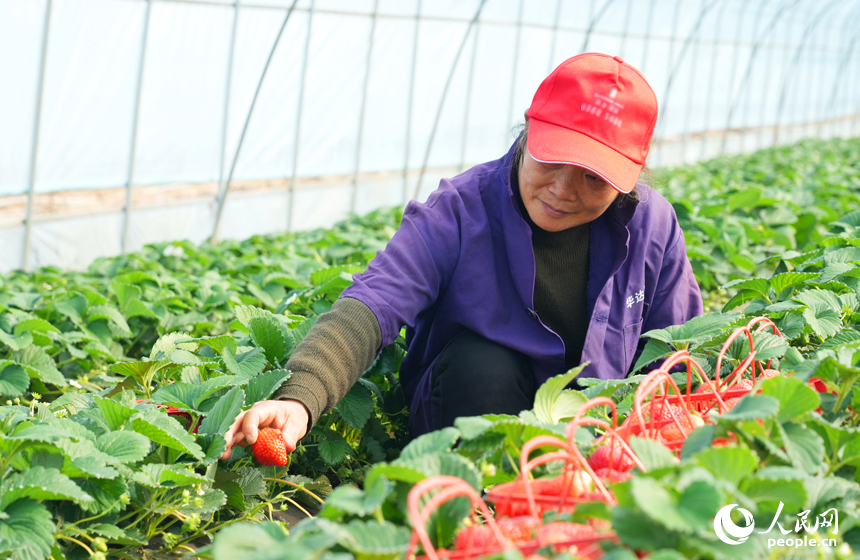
{"x": 288, "y": 416}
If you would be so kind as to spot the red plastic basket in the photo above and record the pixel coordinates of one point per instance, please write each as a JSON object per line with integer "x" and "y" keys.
{"x": 451, "y": 487}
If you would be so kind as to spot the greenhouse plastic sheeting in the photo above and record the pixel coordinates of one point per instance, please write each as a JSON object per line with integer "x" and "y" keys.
{"x": 94, "y": 53}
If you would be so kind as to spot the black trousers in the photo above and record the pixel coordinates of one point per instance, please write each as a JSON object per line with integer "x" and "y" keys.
{"x": 474, "y": 376}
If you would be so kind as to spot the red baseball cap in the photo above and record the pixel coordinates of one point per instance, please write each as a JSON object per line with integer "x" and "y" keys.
{"x": 597, "y": 112}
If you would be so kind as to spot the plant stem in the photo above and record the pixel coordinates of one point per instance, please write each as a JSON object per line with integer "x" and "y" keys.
{"x": 77, "y": 542}
{"x": 297, "y": 486}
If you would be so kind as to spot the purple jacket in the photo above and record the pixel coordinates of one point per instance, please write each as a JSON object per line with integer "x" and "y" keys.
{"x": 464, "y": 260}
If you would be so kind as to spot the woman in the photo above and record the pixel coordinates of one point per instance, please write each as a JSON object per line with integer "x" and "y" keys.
{"x": 511, "y": 272}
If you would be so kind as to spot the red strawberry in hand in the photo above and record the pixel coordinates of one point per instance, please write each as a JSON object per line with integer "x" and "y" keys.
{"x": 269, "y": 449}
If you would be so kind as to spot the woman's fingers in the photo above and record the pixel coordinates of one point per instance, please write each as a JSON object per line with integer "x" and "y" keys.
{"x": 296, "y": 424}
{"x": 290, "y": 417}
{"x": 234, "y": 433}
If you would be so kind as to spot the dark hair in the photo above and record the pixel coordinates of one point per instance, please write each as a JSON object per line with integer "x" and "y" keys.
{"x": 520, "y": 150}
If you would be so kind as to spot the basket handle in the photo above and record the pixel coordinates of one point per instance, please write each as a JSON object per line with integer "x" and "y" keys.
{"x": 526, "y": 466}
{"x": 450, "y": 487}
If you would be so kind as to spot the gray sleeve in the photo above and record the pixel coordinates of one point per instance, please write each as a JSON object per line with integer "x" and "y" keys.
{"x": 341, "y": 345}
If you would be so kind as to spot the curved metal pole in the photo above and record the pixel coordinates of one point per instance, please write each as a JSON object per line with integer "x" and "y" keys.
{"x": 592, "y": 23}
{"x": 675, "y": 21}
{"x": 710, "y": 87}
{"x": 291, "y": 202}
{"x": 445, "y": 94}
{"x": 690, "y": 92}
{"x": 228, "y": 83}
{"x": 406, "y": 144}
{"x": 516, "y": 60}
{"x": 554, "y": 39}
{"x": 693, "y": 32}
{"x": 223, "y": 196}
{"x": 843, "y": 62}
{"x": 126, "y": 225}
{"x": 746, "y": 105}
{"x": 626, "y": 28}
{"x": 787, "y": 5}
{"x": 648, "y": 28}
{"x": 31, "y": 189}
{"x": 467, "y": 105}
{"x": 806, "y": 32}
{"x": 363, "y": 107}
{"x": 783, "y": 63}
{"x": 763, "y": 96}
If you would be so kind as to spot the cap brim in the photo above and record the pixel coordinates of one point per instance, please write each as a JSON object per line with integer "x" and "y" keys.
{"x": 549, "y": 143}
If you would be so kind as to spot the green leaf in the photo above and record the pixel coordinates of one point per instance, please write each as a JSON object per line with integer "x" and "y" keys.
{"x": 110, "y": 313}
{"x": 780, "y": 282}
{"x": 16, "y": 342}
{"x": 264, "y": 385}
{"x": 699, "y": 440}
{"x": 215, "y": 384}
{"x": 180, "y": 395}
{"x": 39, "y": 365}
{"x": 115, "y": 414}
{"x": 804, "y": 447}
{"x": 233, "y": 491}
{"x": 170, "y": 342}
{"x": 224, "y": 413}
{"x": 124, "y": 447}
{"x": 659, "y": 504}
{"x": 439, "y": 441}
{"x": 244, "y": 541}
{"x": 213, "y": 500}
{"x": 139, "y": 370}
{"x": 824, "y": 321}
{"x": 752, "y": 407}
{"x": 372, "y": 539}
{"x": 653, "y": 454}
{"x": 795, "y": 397}
{"x": 35, "y": 325}
{"x": 251, "y": 481}
{"x": 354, "y": 501}
{"x": 844, "y": 255}
{"x": 272, "y": 337}
{"x": 248, "y": 364}
{"x": 760, "y": 286}
{"x": 729, "y": 463}
{"x": 550, "y": 407}
{"x": 333, "y": 448}
{"x": 26, "y": 531}
{"x": 356, "y": 406}
{"x": 105, "y": 530}
{"x": 13, "y": 379}
{"x": 218, "y": 343}
{"x": 40, "y": 483}
{"x": 790, "y": 492}
{"x": 654, "y": 350}
{"x": 164, "y": 430}
{"x": 696, "y": 331}
{"x": 244, "y": 313}
{"x": 639, "y": 531}
{"x": 154, "y": 475}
